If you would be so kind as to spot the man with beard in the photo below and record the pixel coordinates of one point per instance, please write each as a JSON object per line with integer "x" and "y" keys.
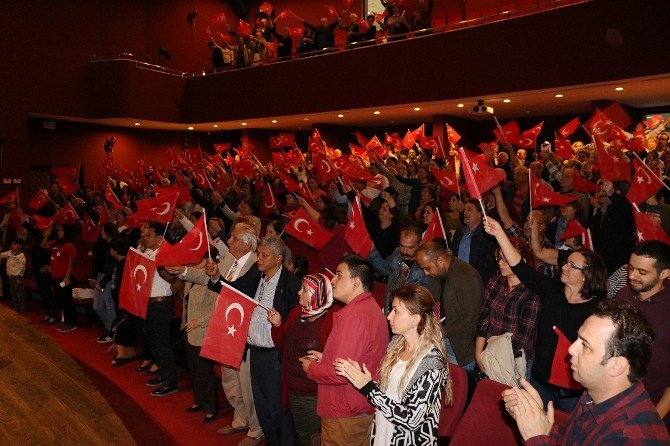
{"x": 648, "y": 269}
{"x": 400, "y": 266}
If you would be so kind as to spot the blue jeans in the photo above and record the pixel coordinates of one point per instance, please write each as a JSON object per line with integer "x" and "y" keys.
{"x": 451, "y": 356}
{"x": 103, "y": 304}
{"x": 552, "y": 393}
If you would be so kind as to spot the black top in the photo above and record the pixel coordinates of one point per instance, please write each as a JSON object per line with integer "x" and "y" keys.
{"x": 555, "y": 310}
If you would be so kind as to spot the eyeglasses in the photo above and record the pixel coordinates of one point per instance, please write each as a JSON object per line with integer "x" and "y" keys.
{"x": 499, "y": 258}
{"x": 573, "y": 266}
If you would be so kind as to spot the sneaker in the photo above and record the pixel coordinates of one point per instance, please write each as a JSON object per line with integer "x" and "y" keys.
{"x": 66, "y": 328}
{"x": 104, "y": 339}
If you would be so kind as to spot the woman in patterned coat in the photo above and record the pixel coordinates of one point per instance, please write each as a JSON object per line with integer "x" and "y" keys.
{"x": 413, "y": 373}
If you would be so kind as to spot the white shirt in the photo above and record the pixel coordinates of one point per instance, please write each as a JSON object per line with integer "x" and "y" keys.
{"x": 240, "y": 263}
{"x": 259, "y": 327}
{"x": 159, "y": 287}
{"x": 16, "y": 263}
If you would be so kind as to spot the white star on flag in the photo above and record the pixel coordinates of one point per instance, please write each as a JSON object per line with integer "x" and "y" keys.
{"x": 640, "y": 180}
{"x": 639, "y": 236}
{"x": 474, "y": 167}
{"x": 352, "y": 225}
{"x": 309, "y": 232}
{"x": 232, "y": 330}
{"x": 139, "y": 287}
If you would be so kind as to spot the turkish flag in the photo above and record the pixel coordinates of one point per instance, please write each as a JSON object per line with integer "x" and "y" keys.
{"x": 283, "y": 15}
{"x": 612, "y": 167}
{"x": 340, "y": 163}
{"x": 104, "y": 216}
{"x": 649, "y": 227}
{"x": 561, "y": 372}
{"x": 265, "y": 8}
{"x": 614, "y": 132}
{"x": 645, "y": 183}
{"x": 39, "y": 200}
{"x": 221, "y": 147}
{"x": 357, "y": 170}
{"x": 112, "y": 198}
{"x": 307, "y": 230}
{"x": 316, "y": 143}
{"x": 66, "y": 215}
{"x": 138, "y": 277}
{"x": 12, "y": 197}
{"x": 446, "y": 179}
{"x": 393, "y": 140}
{"x": 452, "y": 135}
{"x": 287, "y": 139}
{"x": 361, "y": 139}
{"x": 324, "y": 168}
{"x": 528, "y": 139}
{"x": 90, "y": 230}
{"x": 573, "y": 229}
{"x": 599, "y": 124}
{"x": 581, "y": 185}
{"x": 617, "y": 114}
{"x": 201, "y": 178}
{"x": 279, "y": 158}
{"x": 510, "y": 131}
{"x": 356, "y": 234}
{"x": 193, "y": 156}
{"x": 542, "y": 195}
{"x": 419, "y": 132}
{"x": 159, "y": 208}
{"x": 358, "y": 151}
{"x": 435, "y": 228}
{"x": 430, "y": 143}
{"x": 379, "y": 17}
{"x": 71, "y": 172}
{"x": 269, "y": 202}
{"x": 291, "y": 184}
{"x": 569, "y": 128}
{"x": 563, "y": 147}
{"x": 653, "y": 121}
{"x": 374, "y": 144}
{"x": 243, "y": 29}
{"x": 190, "y": 249}
{"x": 408, "y": 141}
{"x": 219, "y": 18}
{"x": 639, "y": 142}
{"x": 331, "y": 10}
{"x": 479, "y": 176}
{"x": 43, "y": 223}
{"x": 67, "y": 186}
{"x": 244, "y": 168}
{"x": 275, "y": 142}
{"x": 226, "y": 335}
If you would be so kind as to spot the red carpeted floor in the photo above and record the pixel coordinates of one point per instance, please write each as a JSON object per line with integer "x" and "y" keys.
{"x": 150, "y": 420}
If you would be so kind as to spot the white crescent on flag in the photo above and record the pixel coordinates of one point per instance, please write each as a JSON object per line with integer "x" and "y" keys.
{"x": 326, "y": 167}
{"x": 297, "y": 222}
{"x": 641, "y": 171}
{"x": 199, "y": 242}
{"x": 166, "y": 209}
{"x": 240, "y": 309}
{"x": 144, "y": 271}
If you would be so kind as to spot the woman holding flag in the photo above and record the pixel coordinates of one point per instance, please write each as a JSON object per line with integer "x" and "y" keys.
{"x": 565, "y": 306}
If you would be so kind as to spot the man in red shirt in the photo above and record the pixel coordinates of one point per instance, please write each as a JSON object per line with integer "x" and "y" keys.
{"x": 360, "y": 332}
{"x": 609, "y": 358}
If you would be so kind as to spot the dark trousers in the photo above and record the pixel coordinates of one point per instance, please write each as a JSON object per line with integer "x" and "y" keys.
{"x": 203, "y": 379}
{"x": 276, "y": 422}
{"x": 64, "y": 300}
{"x": 157, "y": 329}
{"x": 43, "y": 282}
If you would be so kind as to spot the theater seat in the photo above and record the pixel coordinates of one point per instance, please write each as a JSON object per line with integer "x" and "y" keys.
{"x": 486, "y": 421}
{"x": 450, "y": 415}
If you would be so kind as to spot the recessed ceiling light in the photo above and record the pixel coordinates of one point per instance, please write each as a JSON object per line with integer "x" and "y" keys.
{"x": 274, "y": 121}
{"x": 340, "y": 116}
{"x": 244, "y": 123}
{"x": 137, "y": 124}
{"x": 377, "y": 112}
{"x": 189, "y": 128}
{"x": 460, "y": 105}
{"x": 417, "y": 108}
{"x": 506, "y": 101}
{"x": 618, "y": 89}
{"x": 305, "y": 119}
{"x": 558, "y": 95}
{"x": 216, "y": 126}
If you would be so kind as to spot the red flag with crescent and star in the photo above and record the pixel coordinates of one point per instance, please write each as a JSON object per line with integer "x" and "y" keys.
{"x": 542, "y": 195}
{"x": 66, "y": 215}
{"x": 307, "y": 230}
{"x": 356, "y": 234}
{"x": 190, "y": 249}
{"x": 645, "y": 183}
{"x": 479, "y": 176}
{"x": 435, "y": 228}
{"x": 446, "y": 179}
{"x": 160, "y": 209}
{"x": 648, "y": 227}
{"x": 90, "y": 230}
{"x": 269, "y": 202}
{"x": 226, "y": 334}
{"x": 561, "y": 372}
{"x": 12, "y": 197}
{"x": 138, "y": 277}
{"x": 112, "y": 198}
{"x": 569, "y": 128}
{"x": 43, "y": 223}
{"x": 612, "y": 166}
{"x": 323, "y": 166}
{"x": 39, "y": 200}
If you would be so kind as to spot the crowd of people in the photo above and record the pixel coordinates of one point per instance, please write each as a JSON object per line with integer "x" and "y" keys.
{"x": 326, "y": 362}
{"x": 269, "y": 37}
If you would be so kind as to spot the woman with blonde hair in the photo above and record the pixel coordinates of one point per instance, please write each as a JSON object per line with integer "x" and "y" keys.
{"x": 413, "y": 373}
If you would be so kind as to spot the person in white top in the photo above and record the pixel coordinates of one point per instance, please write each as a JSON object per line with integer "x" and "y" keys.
{"x": 16, "y": 267}
{"x": 413, "y": 373}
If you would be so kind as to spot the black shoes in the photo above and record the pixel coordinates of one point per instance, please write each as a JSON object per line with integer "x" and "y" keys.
{"x": 144, "y": 368}
{"x": 165, "y": 390}
{"x": 194, "y": 408}
{"x": 210, "y": 417}
{"x": 155, "y": 382}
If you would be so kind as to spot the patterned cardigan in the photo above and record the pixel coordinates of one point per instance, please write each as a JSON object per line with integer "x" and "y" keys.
{"x": 416, "y": 416}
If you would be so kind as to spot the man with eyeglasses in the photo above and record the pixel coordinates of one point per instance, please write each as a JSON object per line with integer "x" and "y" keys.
{"x": 648, "y": 269}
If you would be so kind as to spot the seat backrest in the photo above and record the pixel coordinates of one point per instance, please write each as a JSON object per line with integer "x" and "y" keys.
{"x": 486, "y": 421}
{"x": 450, "y": 415}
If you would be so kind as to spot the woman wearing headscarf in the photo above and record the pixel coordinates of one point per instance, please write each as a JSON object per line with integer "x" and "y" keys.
{"x": 306, "y": 328}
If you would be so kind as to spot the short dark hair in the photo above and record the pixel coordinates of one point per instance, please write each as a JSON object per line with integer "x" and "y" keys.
{"x": 656, "y": 250}
{"x": 632, "y": 338}
{"x": 473, "y": 201}
{"x": 359, "y": 268}
{"x": 16, "y": 240}
{"x": 120, "y": 246}
{"x": 158, "y": 227}
{"x": 413, "y": 228}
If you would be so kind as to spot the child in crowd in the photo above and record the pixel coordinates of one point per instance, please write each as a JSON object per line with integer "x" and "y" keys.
{"x": 16, "y": 267}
